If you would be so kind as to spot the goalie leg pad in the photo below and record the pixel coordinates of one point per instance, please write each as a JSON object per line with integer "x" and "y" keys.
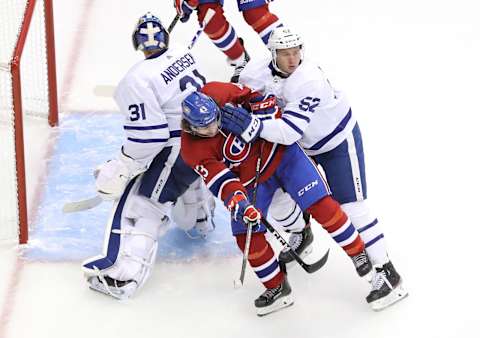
{"x": 129, "y": 251}
{"x": 193, "y": 211}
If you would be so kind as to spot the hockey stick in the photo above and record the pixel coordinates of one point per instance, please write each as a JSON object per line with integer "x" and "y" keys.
{"x": 173, "y": 23}
{"x": 109, "y": 90}
{"x": 82, "y": 205}
{"x": 237, "y": 283}
{"x": 310, "y": 268}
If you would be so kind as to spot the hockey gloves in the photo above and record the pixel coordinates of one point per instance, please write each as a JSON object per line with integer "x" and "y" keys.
{"x": 265, "y": 106}
{"x": 241, "y": 123}
{"x": 185, "y": 8}
{"x": 239, "y": 206}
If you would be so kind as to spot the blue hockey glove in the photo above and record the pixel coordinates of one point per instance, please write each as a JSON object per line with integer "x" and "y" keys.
{"x": 241, "y": 123}
{"x": 239, "y": 206}
{"x": 265, "y": 106}
{"x": 185, "y": 8}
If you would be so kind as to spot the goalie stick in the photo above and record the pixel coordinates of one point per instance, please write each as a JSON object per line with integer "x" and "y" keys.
{"x": 82, "y": 205}
{"x": 109, "y": 90}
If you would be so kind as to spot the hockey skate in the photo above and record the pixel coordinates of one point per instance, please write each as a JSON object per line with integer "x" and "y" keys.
{"x": 387, "y": 287}
{"x": 301, "y": 242}
{"x": 239, "y": 64}
{"x": 274, "y": 299}
{"x": 363, "y": 265}
{"x": 111, "y": 287}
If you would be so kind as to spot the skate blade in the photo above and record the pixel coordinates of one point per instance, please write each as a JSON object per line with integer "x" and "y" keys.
{"x": 282, "y": 303}
{"x": 397, "y": 294}
{"x": 304, "y": 254}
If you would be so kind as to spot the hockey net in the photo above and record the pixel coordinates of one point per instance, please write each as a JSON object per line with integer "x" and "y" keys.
{"x": 27, "y": 95}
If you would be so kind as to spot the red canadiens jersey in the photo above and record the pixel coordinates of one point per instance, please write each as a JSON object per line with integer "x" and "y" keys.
{"x": 224, "y": 161}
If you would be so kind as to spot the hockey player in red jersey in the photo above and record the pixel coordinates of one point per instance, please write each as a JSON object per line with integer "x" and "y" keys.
{"x": 228, "y": 165}
{"x": 255, "y": 12}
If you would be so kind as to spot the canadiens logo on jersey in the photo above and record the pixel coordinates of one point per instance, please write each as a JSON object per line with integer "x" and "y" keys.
{"x": 234, "y": 150}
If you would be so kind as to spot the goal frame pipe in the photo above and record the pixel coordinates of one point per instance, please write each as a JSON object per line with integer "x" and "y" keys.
{"x": 17, "y": 103}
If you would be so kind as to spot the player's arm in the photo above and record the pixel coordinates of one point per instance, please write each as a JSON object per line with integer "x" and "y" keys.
{"x": 295, "y": 116}
{"x": 146, "y": 133}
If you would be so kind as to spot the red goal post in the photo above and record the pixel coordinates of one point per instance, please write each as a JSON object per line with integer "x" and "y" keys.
{"x": 28, "y": 89}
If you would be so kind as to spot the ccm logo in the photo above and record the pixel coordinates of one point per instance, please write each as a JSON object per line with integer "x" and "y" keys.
{"x": 307, "y": 187}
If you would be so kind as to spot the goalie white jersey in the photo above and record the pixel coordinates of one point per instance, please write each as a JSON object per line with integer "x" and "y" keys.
{"x": 152, "y": 103}
{"x": 313, "y": 112}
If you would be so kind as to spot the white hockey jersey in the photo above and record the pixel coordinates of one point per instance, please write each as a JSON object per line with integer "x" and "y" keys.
{"x": 150, "y": 97}
{"x": 313, "y": 112}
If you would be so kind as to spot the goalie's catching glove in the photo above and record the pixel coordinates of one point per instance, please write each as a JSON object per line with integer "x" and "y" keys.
{"x": 113, "y": 176}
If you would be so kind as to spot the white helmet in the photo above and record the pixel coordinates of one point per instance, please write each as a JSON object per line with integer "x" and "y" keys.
{"x": 283, "y": 38}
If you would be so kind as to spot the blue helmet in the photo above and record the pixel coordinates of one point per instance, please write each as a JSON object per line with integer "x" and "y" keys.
{"x": 199, "y": 110}
{"x": 149, "y": 34}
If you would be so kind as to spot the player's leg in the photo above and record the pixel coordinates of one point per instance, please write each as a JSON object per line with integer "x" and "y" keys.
{"x": 193, "y": 211}
{"x": 312, "y": 194}
{"x": 130, "y": 245}
{"x": 222, "y": 34}
{"x": 285, "y": 214}
{"x": 262, "y": 258}
{"x": 345, "y": 170}
{"x": 257, "y": 14}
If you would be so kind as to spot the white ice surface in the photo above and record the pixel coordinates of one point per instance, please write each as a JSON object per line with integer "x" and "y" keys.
{"x": 411, "y": 70}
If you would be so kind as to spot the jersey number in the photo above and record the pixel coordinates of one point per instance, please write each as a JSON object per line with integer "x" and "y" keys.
{"x": 184, "y": 81}
{"x": 309, "y": 104}
{"x": 137, "y": 112}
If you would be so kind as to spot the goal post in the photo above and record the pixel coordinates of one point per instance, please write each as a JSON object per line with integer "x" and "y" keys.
{"x": 28, "y": 90}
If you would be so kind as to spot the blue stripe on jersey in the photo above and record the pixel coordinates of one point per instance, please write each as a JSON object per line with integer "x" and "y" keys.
{"x": 368, "y": 226}
{"x": 293, "y": 126}
{"x": 373, "y": 241}
{"x": 337, "y": 130}
{"x": 113, "y": 238}
{"x": 300, "y": 116}
{"x": 227, "y": 40}
{"x": 150, "y": 140}
{"x": 345, "y": 235}
{"x": 175, "y": 133}
{"x": 215, "y": 186}
{"x": 160, "y": 126}
{"x": 268, "y": 270}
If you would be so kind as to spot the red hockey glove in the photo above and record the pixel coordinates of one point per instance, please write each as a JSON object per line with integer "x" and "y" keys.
{"x": 184, "y": 8}
{"x": 240, "y": 206}
{"x": 265, "y": 106}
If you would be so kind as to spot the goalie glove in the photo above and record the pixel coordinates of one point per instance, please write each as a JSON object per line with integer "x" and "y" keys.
{"x": 239, "y": 206}
{"x": 185, "y": 8}
{"x": 112, "y": 177}
{"x": 265, "y": 106}
{"x": 241, "y": 123}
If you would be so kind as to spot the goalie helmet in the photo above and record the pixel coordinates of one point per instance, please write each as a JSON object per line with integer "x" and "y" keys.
{"x": 199, "y": 110}
{"x": 283, "y": 38}
{"x": 149, "y": 34}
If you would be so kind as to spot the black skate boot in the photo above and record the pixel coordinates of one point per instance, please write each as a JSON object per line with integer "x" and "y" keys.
{"x": 301, "y": 242}
{"x": 112, "y": 287}
{"x": 363, "y": 265}
{"x": 274, "y": 299}
{"x": 387, "y": 287}
{"x": 239, "y": 64}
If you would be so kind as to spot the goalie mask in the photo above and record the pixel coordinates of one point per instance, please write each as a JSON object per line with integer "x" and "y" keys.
{"x": 149, "y": 34}
{"x": 283, "y": 38}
